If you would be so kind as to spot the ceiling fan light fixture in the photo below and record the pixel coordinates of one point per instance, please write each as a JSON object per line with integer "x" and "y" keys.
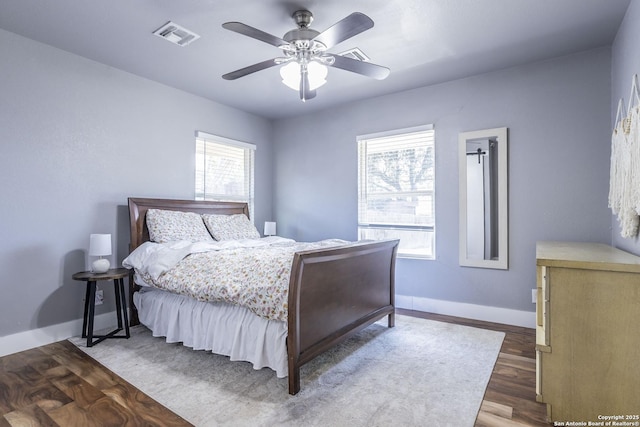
{"x": 306, "y": 52}
{"x": 292, "y": 73}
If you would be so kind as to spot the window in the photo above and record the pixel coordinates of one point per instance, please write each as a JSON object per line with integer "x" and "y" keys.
{"x": 224, "y": 169}
{"x": 396, "y": 189}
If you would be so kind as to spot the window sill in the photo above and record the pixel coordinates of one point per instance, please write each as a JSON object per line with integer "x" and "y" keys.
{"x": 417, "y": 257}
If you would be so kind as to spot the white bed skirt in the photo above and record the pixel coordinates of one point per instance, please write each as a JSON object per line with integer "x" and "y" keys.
{"x": 221, "y": 328}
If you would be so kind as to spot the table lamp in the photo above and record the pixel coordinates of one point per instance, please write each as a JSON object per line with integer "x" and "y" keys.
{"x": 100, "y": 245}
{"x": 269, "y": 228}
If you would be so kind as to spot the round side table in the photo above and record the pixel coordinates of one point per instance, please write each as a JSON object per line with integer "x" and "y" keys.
{"x": 115, "y": 274}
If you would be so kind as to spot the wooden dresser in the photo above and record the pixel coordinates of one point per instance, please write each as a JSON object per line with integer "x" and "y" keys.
{"x": 588, "y": 332}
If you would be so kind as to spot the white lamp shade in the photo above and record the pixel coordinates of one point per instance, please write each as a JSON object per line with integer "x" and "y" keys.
{"x": 269, "y": 228}
{"x": 290, "y": 74}
{"x": 100, "y": 244}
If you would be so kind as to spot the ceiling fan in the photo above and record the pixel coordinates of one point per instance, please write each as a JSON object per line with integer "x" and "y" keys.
{"x": 305, "y": 52}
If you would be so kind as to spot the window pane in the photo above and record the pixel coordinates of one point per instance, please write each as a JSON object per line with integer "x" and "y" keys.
{"x": 224, "y": 172}
{"x": 398, "y": 170}
{"x": 413, "y": 243}
{"x": 415, "y": 209}
{"x": 396, "y": 183}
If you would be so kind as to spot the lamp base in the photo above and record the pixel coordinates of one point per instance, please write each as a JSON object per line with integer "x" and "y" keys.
{"x": 100, "y": 265}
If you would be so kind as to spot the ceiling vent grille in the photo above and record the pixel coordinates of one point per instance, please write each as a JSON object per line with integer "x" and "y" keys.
{"x": 356, "y": 54}
{"x": 176, "y": 34}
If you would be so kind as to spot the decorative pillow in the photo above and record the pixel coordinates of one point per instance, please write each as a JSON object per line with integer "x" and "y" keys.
{"x": 230, "y": 227}
{"x": 168, "y": 226}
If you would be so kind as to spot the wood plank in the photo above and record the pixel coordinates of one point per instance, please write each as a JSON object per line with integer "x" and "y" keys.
{"x": 31, "y": 415}
{"x": 497, "y": 409}
{"x": 59, "y": 385}
{"x": 487, "y": 419}
{"x": 4, "y": 422}
{"x": 73, "y": 415}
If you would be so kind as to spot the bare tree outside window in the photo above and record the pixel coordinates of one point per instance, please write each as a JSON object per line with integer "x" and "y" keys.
{"x": 396, "y": 189}
{"x": 224, "y": 170}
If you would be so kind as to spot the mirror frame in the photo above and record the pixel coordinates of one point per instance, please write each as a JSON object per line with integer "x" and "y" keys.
{"x": 500, "y": 134}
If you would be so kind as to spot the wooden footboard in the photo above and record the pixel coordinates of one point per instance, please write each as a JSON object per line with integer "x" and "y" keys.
{"x": 335, "y": 292}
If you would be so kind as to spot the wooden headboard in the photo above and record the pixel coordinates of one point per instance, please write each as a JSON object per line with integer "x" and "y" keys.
{"x": 138, "y": 208}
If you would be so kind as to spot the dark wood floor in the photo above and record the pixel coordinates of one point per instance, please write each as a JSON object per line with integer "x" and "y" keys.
{"x": 59, "y": 385}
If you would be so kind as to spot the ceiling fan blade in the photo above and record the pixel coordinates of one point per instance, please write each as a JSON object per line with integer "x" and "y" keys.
{"x": 255, "y": 33}
{"x": 348, "y": 27}
{"x": 251, "y": 69}
{"x": 305, "y": 91}
{"x": 368, "y": 69}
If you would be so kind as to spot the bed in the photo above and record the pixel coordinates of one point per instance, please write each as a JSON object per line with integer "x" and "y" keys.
{"x": 333, "y": 292}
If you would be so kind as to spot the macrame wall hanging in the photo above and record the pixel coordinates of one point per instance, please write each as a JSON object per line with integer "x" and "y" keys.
{"x": 624, "y": 180}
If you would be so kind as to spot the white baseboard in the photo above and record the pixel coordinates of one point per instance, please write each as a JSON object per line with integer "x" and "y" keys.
{"x": 36, "y": 337}
{"x": 506, "y": 316}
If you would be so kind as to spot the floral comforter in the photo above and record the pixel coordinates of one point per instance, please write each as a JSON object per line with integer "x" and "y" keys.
{"x": 252, "y": 273}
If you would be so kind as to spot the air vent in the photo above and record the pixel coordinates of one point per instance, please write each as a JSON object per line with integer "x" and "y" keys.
{"x": 356, "y": 54}
{"x": 176, "y": 34}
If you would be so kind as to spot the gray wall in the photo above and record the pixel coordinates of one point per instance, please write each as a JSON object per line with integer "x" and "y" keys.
{"x": 625, "y": 62}
{"x": 76, "y": 139}
{"x": 557, "y": 113}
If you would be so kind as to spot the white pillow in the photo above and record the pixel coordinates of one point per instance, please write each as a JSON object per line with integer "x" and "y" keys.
{"x": 230, "y": 227}
{"x": 169, "y": 226}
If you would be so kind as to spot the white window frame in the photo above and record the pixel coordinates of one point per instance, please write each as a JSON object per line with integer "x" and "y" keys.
{"x": 396, "y": 229}
{"x": 206, "y": 141}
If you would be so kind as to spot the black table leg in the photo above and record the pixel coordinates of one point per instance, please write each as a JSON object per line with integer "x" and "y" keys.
{"x": 86, "y": 313}
{"x": 116, "y": 286}
{"x": 124, "y": 308}
{"x": 92, "y": 307}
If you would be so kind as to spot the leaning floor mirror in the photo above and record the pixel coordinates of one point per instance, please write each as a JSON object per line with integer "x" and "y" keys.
{"x": 483, "y": 198}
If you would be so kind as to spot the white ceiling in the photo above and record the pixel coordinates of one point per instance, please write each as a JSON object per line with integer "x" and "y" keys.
{"x": 423, "y": 42}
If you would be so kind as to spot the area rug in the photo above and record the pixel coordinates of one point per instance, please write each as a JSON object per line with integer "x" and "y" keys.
{"x": 419, "y": 373}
